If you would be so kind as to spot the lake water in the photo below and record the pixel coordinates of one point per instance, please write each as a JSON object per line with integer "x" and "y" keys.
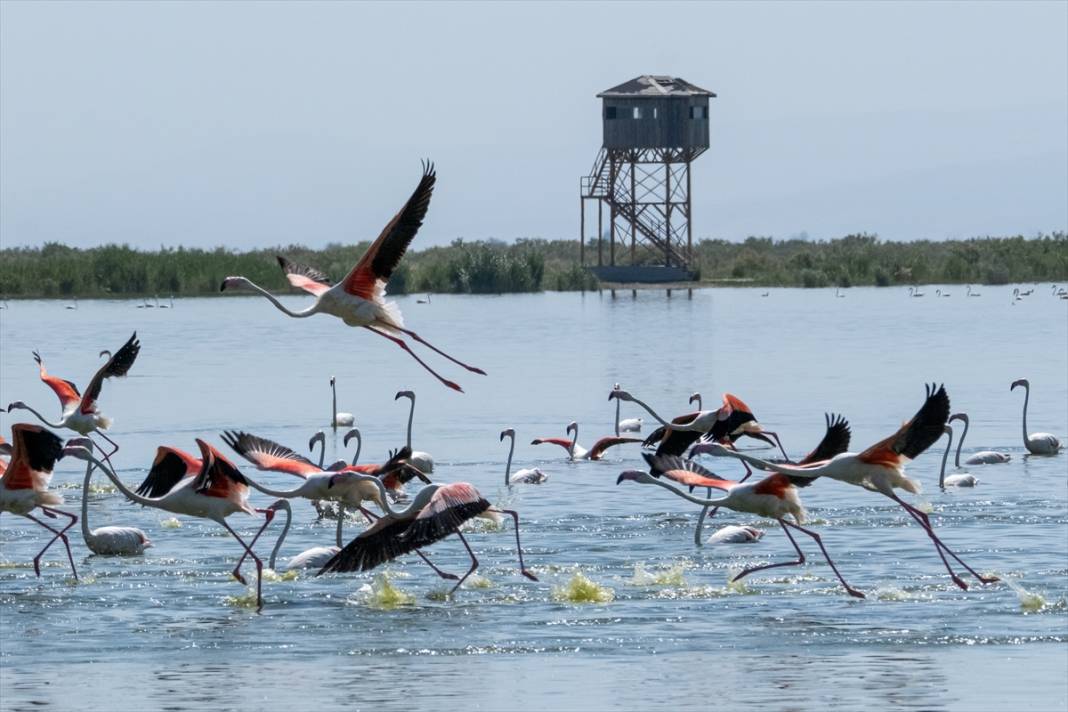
{"x": 169, "y": 631}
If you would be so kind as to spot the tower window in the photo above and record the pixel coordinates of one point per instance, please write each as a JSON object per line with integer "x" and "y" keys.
{"x": 698, "y": 112}
{"x": 610, "y": 112}
{"x": 636, "y": 112}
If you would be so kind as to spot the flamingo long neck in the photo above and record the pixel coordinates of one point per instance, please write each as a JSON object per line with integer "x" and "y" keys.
{"x": 411, "y": 416}
{"x": 785, "y": 468}
{"x": 130, "y": 494}
{"x": 574, "y": 441}
{"x": 333, "y": 415}
{"x": 281, "y": 537}
{"x": 618, "y": 405}
{"x": 1026, "y": 397}
{"x": 687, "y": 496}
{"x": 86, "y": 533}
{"x": 945, "y": 458}
{"x": 651, "y": 412}
{"x": 359, "y": 447}
{"x": 59, "y": 424}
{"x": 960, "y": 443}
{"x": 420, "y": 500}
{"x": 340, "y": 523}
{"x": 284, "y": 494}
{"x": 281, "y": 307}
{"x": 508, "y": 465}
{"x": 322, "y": 451}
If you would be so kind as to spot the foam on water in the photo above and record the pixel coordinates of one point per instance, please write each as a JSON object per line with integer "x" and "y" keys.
{"x": 1030, "y": 601}
{"x": 580, "y": 589}
{"x": 170, "y": 523}
{"x": 671, "y": 576}
{"x": 382, "y": 595}
{"x": 274, "y": 576}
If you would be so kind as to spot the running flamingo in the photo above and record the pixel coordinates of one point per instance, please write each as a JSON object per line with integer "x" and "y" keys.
{"x": 435, "y": 513}
{"x": 774, "y": 496}
{"x": 359, "y": 299}
{"x": 218, "y": 491}
{"x": 24, "y": 483}
{"x": 1036, "y": 443}
{"x": 576, "y": 451}
{"x": 80, "y": 412}
{"x": 880, "y": 468}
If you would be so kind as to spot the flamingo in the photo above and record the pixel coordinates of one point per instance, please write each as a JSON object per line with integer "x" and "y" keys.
{"x": 169, "y": 467}
{"x": 834, "y": 442}
{"x": 576, "y": 451}
{"x": 627, "y": 425}
{"x": 339, "y": 417}
{"x": 436, "y": 512}
{"x": 913, "y": 292}
{"x": 838, "y": 293}
{"x": 106, "y": 541}
{"x": 765, "y": 293}
{"x": 24, "y": 483}
{"x": 424, "y": 301}
{"x": 359, "y": 300}
{"x": 983, "y": 457}
{"x": 422, "y": 460}
{"x": 730, "y": 421}
{"x": 973, "y": 294}
{"x": 532, "y": 476}
{"x": 774, "y": 496}
{"x": 1016, "y": 295}
{"x": 320, "y": 439}
{"x": 880, "y": 468}
{"x": 165, "y": 306}
{"x": 73, "y": 306}
{"x": 940, "y": 293}
{"x": 313, "y": 558}
{"x": 962, "y": 479}
{"x": 1036, "y": 443}
{"x": 732, "y": 534}
{"x": 80, "y": 412}
{"x": 217, "y": 491}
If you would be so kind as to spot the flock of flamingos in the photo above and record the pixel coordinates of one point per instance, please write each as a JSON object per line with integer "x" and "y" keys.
{"x": 211, "y": 486}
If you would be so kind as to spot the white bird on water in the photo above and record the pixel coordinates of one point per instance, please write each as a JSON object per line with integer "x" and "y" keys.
{"x": 340, "y": 418}
{"x": 1036, "y": 443}
{"x": 963, "y": 479}
{"x": 527, "y": 476}
{"x": 423, "y": 461}
{"x": 983, "y": 457}
{"x": 106, "y": 541}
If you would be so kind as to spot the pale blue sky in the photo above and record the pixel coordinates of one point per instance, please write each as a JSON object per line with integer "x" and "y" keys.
{"x": 244, "y": 124}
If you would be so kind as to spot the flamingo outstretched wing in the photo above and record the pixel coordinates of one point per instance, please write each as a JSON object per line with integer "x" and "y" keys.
{"x": 117, "y": 366}
{"x": 170, "y": 467}
{"x": 304, "y": 277}
{"x": 597, "y": 451}
{"x": 218, "y": 476}
{"x": 914, "y": 436}
{"x": 66, "y": 391}
{"x": 685, "y": 472}
{"x": 36, "y": 450}
{"x": 562, "y": 442}
{"x": 368, "y": 278}
{"x": 268, "y": 455}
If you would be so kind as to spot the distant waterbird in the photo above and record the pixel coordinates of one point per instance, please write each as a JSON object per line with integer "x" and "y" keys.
{"x": 339, "y": 418}
{"x": 526, "y": 476}
{"x": 1036, "y": 443}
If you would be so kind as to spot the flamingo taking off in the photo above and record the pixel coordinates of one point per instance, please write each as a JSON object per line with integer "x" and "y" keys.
{"x": 24, "y": 483}
{"x": 360, "y": 299}
{"x": 983, "y": 457}
{"x": 774, "y": 496}
{"x": 80, "y": 412}
{"x": 576, "y": 451}
{"x": 880, "y": 468}
{"x": 528, "y": 476}
{"x": 1036, "y": 443}
{"x": 436, "y": 512}
{"x": 217, "y": 491}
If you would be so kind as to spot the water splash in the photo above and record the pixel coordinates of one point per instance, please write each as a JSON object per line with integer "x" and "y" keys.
{"x": 671, "y": 576}
{"x": 1030, "y": 602}
{"x": 171, "y": 523}
{"x": 382, "y": 595}
{"x": 275, "y": 577}
{"x": 243, "y": 600}
{"x": 582, "y": 590}
{"x": 476, "y": 581}
{"x": 739, "y": 586}
{"x": 892, "y": 593}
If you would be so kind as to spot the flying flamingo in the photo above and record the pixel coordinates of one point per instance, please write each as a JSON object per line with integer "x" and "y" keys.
{"x": 106, "y": 541}
{"x": 834, "y": 442}
{"x": 436, "y": 512}
{"x": 349, "y": 488}
{"x": 530, "y": 476}
{"x": 359, "y": 300}
{"x": 983, "y": 457}
{"x": 962, "y": 479}
{"x": 1036, "y": 443}
{"x": 339, "y": 417}
{"x": 24, "y": 483}
{"x": 218, "y": 491}
{"x": 169, "y": 467}
{"x": 880, "y": 468}
{"x": 576, "y": 451}
{"x": 80, "y": 412}
{"x": 422, "y": 460}
{"x": 774, "y": 496}
{"x": 627, "y": 425}
{"x": 730, "y": 421}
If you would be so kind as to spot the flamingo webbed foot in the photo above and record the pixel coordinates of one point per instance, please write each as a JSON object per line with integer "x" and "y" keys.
{"x": 236, "y": 573}
{"x": 855, "y": 593}
{"x": 960, "y": 582}
{"x": 529, "y": 575}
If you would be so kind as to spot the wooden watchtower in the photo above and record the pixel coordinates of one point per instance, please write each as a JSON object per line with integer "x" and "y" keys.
{"x": 654, "y": 128}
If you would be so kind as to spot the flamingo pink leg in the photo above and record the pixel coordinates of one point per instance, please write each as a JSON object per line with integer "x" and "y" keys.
{"x": 259, "y": 566}
{"x": 268, "y": 515}
{"x": 474, "y": 562}
{"x": 800, "y": 557}
{"x": 59, "y": 534}
{"x": 401, "y": 343}
{"x": 518, "y": 547}
{"x": 925, "y": 522}
{"x": 436, "y": 350}
{"x": 849, "y": 589}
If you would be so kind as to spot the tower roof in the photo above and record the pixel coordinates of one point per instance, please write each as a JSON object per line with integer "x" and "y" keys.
{"x": 655, "y": 86}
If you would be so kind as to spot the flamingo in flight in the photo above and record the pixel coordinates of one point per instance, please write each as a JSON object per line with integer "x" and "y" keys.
{"x": 24, "y": 483}
{"x": 983, "y": 457}
{"x": 359, "y": 299}
{"x": 729, "y": 422}
{"x": 80, "y": 412}
{"x": 527, "y": 476}
{"x": 880, "y": 468}
{"x": 774, "y": 496}
{"x": 1036, "y": 443}
{"x": 216, "y": 492}
{"x": 576, "y": 451}
{"x": 437, "y": 511}
{"x": 834, "y": 442}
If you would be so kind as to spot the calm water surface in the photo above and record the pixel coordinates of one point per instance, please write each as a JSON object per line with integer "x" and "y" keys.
{"x": 169, "y": 630}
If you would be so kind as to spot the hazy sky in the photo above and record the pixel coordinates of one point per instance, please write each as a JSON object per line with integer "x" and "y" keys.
{"x": 244, "y": 124}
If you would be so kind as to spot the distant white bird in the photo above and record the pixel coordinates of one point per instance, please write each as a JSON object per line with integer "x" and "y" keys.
{"x": 914, "y": 292}
{"x": 106, "y": 541}
{"x": 940, "y": 293}
{"x": 626, "y": 425}
{"x": 339, "y": 418}
{"x": 973, "y": 294}
{"x": 838, "y": 293}
{"x": 1036, "y": 443}
{"x": 732, "y": 534}
{"x": 528, "y": 476}
{"x": 74, "y": 305}
{"x": 963, "y": 479}
{"x": 423, "y": 461}
{"x": 983, "y": 457}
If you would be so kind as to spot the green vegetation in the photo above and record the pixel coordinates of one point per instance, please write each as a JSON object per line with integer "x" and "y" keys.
{"x": 531, "y": 265}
